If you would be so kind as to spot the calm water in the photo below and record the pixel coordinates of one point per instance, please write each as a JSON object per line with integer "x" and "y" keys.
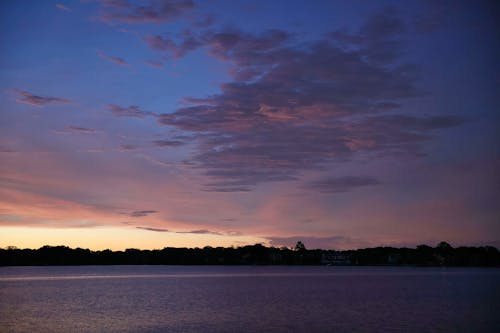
{"x": 248, "y": 299}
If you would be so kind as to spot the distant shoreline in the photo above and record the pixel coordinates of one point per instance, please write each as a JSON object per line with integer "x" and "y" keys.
{"x": 443, "y": 255}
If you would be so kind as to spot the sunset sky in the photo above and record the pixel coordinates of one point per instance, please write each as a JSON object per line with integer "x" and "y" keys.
{"x": 344, "y": 124}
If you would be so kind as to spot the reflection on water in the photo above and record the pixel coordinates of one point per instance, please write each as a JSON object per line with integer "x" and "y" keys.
{"x": 248, "y": 299}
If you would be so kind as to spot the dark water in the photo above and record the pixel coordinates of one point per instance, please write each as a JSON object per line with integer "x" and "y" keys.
{"x": 248, "y": 299}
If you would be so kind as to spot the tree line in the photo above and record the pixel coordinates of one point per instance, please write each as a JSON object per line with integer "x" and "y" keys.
{"x": 423, "y": 255}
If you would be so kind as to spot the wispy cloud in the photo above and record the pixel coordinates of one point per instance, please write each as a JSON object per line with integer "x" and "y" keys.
{"x": 127, "y": 147}
{"x": 116, "y": 60}
{"x": 77, "y": 130}
{"x": 6, "y": 149}
{"x": 153, "y": 229}
{"x": 63, "y": 7}
{"x": 341, "y": 184}
{"x": 38, "y": 100}
{"x": 200, "y": 232}
{"x": 129, "y": 111}
{"x": 168, "y": 143}
{"x": 152, "y": 12}
{"x": 155, "y": 64}
{"x": 195, "y": 232}
{"x": 142, "y": 213}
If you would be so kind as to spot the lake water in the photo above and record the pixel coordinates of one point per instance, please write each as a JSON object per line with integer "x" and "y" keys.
{"x": 248, "y": 299}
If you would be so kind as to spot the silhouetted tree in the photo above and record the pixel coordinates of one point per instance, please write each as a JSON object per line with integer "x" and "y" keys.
{"x": 300, "y": 246}
{"x": 442, "y": 255}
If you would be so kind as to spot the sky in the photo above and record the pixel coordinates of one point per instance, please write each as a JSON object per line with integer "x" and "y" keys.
{"x": 343, "y": 124}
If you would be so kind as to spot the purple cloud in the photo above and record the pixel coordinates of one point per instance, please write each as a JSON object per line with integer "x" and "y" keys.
{"x": 116, "y": 60}
{"x": 293, "y": 106}
{"x": 230, "y": 44}
{"x": 341, "y": 184}
{"x": 156, "y": 64}
{"x": 168, "y": 143}
{"x": 199, "y": 232}
{"x": 63, "y": 7}
{"x": 142, "y": 213}
{"x": 77, "y": 129}
{"x": 37, "y": 100}
{"x": 153, "y": 12}
{"x": 127, "y": 147}
{"x": 6, "y": 149}
{"x": 130, "y": 111}
{"x": 168, "y": 45}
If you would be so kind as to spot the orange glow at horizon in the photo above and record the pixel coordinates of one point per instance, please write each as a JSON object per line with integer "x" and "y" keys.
{"x": 115, "y": 238}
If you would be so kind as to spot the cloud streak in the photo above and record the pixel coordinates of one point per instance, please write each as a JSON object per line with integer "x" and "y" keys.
{"x": 63, "y": 7}
{"x": 27, "y": 97}
{"x": 153, "y": 229}
{"x": 77, "y": 130}
{"x": 168, "y": 143}
{"x": 128, "y": 111}
{"x": 116, "y": 60}
{"x": 153, "y": 12}
{"x": 341, "y": 184}
{"x": 142, "y": 213}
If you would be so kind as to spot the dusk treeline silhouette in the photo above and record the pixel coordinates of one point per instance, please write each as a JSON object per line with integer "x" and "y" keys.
{"x": 441, "y": 255}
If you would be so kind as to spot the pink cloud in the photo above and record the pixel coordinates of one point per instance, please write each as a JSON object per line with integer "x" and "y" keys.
{"x": 63, "y": 7}
{"x": 153, "y": 12}
{"x": 116, "y": 60}
{"x": 38, "y": 100}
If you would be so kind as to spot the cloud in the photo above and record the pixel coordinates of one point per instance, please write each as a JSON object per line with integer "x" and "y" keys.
{"x": 156, "y": 64}
{"x": 167, "y": 143}
{"x": 159, "y": 43}
{"x": 116, "y": 60}
{"x": 37, "y": 100}
{"x": 229, "y": 44}
{"x": 294, "y": 106}
{"x": 153, "y": 229}
{"x": 76, "y": 129}
{"x": 196, "y": 232}
{"x": 63, "y": 7}
{"x": 341, "y": 184}
{"x": 127, "y": 147}
{"x": 200, "y": 232}
{"x": 141, "y": 213}
{"x": 153, "y": 12}
{"x": 6, "y": 149}
{"x": 130, "y": 111}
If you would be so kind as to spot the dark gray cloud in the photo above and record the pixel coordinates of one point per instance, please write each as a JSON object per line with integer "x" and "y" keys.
{"x": 153, "y": 229}
{"x": 77, "y": 130}
{"x": 199, "y": 232}
{"x": 127, "y": 147}
{"x": 144, "y": 12}
{"x": 141, "y": 213}
{"x": 7, "y": 149}
{"x": 129, "y": 111}
{"x": 167, "y": 143}
{"x": 341, "y": 184}
{"x": 294, "y": 106}
{"x": 38, "y": 100}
